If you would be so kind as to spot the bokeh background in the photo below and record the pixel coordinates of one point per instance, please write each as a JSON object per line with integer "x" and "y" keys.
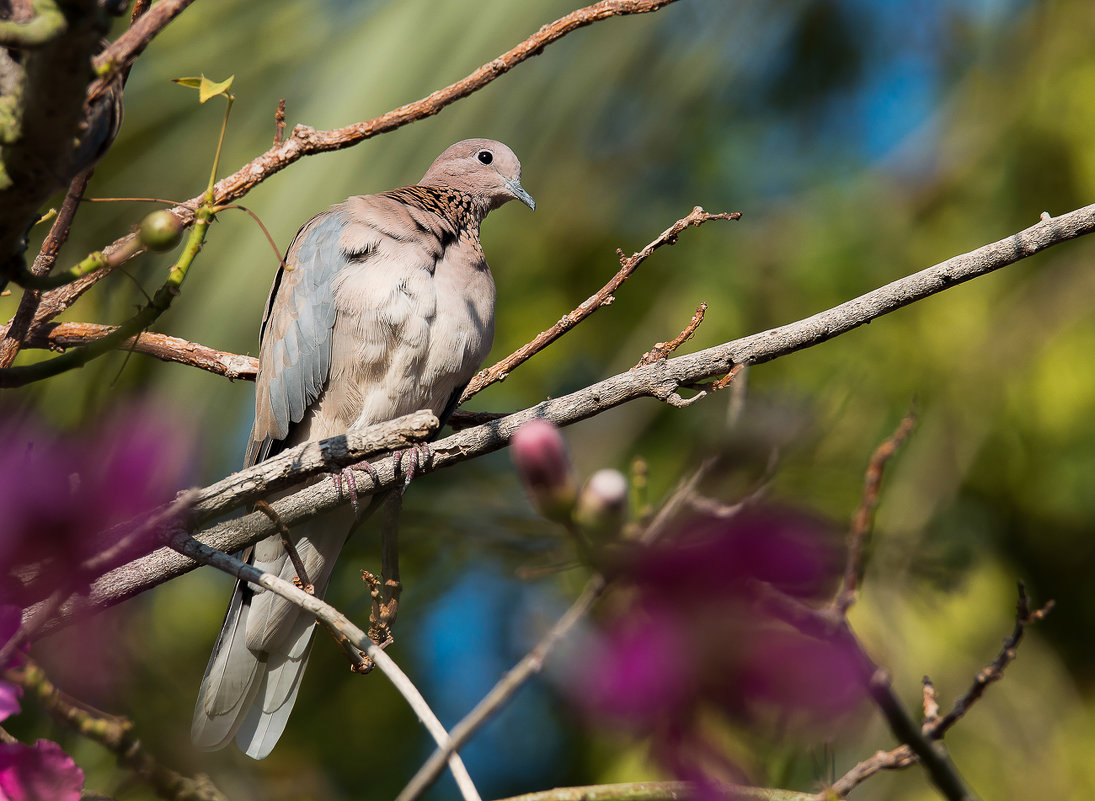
{"x": 862, "y": 141}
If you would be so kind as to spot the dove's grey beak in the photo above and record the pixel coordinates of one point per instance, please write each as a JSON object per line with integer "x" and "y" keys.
{"x": 520, "y": 193}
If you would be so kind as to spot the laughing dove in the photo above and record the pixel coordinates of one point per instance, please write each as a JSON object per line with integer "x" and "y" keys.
{"x": 385, "y": 306}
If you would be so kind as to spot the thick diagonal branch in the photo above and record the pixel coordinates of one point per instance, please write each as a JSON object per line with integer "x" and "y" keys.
{"x": 658, "y": 380}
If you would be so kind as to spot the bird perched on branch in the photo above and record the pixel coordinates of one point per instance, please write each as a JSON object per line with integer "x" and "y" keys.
{"x": 384, "y": 306}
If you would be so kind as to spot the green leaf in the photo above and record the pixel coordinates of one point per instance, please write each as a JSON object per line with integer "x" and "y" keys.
{"x": 206, "y": 88}
{"x": 210, "y": 89}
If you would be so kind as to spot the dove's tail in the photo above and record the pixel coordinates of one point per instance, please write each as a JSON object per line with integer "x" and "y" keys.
{"x": 254, "y": 673}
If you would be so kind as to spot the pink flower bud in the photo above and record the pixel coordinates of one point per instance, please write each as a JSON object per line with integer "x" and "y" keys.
{"x": 541, "y": 459}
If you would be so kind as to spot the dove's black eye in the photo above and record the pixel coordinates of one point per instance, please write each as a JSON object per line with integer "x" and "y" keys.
{"x": 485, "y": 156}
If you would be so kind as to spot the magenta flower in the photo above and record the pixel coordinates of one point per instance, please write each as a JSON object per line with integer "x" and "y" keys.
{"x": 62, "y": 495}
{"x": 40, "y": 773}
{"x": 692, "y": 640}
{"x": 9, "y": 693}
{"x": 642, "y": 671}
{"x": 813, "y": 680}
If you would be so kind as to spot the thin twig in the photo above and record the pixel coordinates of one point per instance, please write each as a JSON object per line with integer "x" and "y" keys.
{"x": 930, "y": 703}
{"x": 863, "y": 520}
{"x": 388, "y": 588}
{"x": 830, "y": 625}
{"x": 727, "y": 379}
{"x": 500, "y": 694}
{"x": 934, "y": 727}
{"x": 279, "y": 123}
{"x": 1024, "y": 616}
{"x": 262, "y": 226}
{"x": 895, "y": 759}
{"x": 61, "y": 336}
{"x": 139, "y": 9}
{"x": 602, "y": 297}
{"x": 303, "y": 581}
{"x": 43, "y": 264}
{"x": 661, "y": 350}
{"x": 941, "y": 770}
{"x": 119, "y": 56}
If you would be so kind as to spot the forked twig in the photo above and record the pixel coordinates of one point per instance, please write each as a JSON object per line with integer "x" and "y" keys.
{"x": 1024, "y": 616}
{"x": 935, "y": 727}
{"x": 661, "y": 350}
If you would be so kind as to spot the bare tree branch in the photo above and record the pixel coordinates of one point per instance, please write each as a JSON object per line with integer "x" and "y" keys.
{"x": 61, "y": 336}
{"x": 1024, "y": 616}
{"x": 941, "y": 769}
{"x": 47, "y": 255}
{"x": 934, "y": 727}
{"x": 896, "y": 759}
{"x": 661, "y": 350}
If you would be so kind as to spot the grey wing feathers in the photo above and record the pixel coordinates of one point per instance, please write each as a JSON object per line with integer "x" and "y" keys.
{"x": 296, "y": 332}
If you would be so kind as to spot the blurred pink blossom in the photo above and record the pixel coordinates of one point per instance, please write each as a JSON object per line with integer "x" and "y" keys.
{"x": 62, "y": 494}
{"x": 642, "y": 670}
{"x": 9, "y": 693}
{"x": 42, "y": 772}
{"x": 692, "y": 639}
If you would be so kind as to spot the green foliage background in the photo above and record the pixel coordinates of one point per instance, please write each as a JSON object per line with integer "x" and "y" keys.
{"x": 622, "y": 128}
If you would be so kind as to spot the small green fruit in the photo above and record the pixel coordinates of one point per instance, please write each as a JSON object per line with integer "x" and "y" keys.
{"x": 160, "y": 231}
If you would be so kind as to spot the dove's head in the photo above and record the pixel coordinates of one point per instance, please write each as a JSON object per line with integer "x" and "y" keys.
{"x": 483, "y": 168}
